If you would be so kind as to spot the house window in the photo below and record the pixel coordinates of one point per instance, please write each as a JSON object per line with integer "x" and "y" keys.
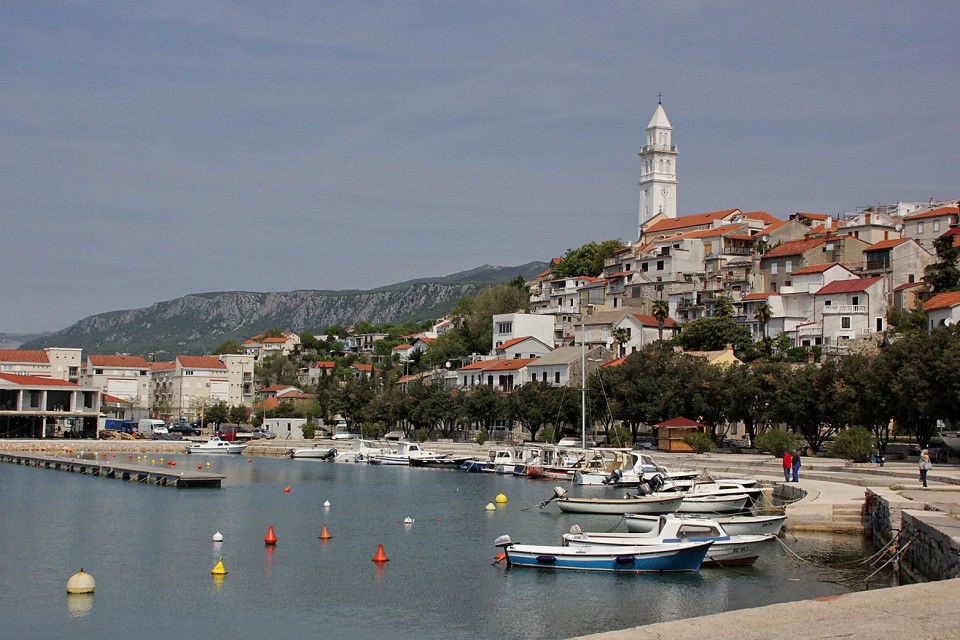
{"x": 788, "y": 283}
{"x": 910, "y": 278}
{"x": 936, "y": 226}
{"x": 879, "y": 325}
{"x": 659, "y": 265}
{"x": 919, "y": 227}
{"x": 855, "y": 300}
{"x": 845, "y": 322}
{"x": 504, "y": 327}
{"x": 556, "y": 377}
{"x": 773, "y": 268}
{"x": 708, "y": 248}
{"x": 98, "y": 372}
{"x": 788, "y": 267}
{"x": 827, "y": 303}
{"x": 615, "y": 301}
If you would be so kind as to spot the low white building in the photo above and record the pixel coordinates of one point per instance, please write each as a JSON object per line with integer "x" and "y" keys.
{"x": 943, "y": 310}
{"x": 285, "y": 428}
{"x": 507, "y": 326}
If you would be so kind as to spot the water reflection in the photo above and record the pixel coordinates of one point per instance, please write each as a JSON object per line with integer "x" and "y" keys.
{"x": 79, "y": 604}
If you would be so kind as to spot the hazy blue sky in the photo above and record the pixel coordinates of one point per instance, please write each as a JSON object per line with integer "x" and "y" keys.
{"x": 158, "y": 148}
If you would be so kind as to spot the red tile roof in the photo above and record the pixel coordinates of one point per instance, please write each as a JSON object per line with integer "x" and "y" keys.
{"x": 812, "y": 216}
{"x": 725, "y": 230}
{"x": 762, "y": 216}
{"x": 109, "y": 399}
{"x": 847, "y": 286}
{"x": 366, "y": 368}
{"x": 886, "y": 244}
{"x": 816, "y": 268}
{"x": 936, "y": 213}
{"x": 296, "y": 395}
{"x": 680, "y": 422}
{"x": 324, "y": 364}
{"x": 694, "y": 220}
{"x": 201, "y": 362}
{"x": 23, "y": 355}
{"x": 651, "y": 321}
{"x": 750, "y": 297}
{"x": 794, "y": 247}
{"x": 509, "y": 343}
{"x": 32, "y": 381}
{"x": 130, "y": 362}
{"x": 942, "y": 301}
{"x": 160, "y": 366}
{"x": 509, "y": 365}
{"x": 615, "y": 363}
{"x": 274, "y": 340}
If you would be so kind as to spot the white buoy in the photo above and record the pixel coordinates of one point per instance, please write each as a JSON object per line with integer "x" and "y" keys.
{"x": 81, "y": 582}
{"x": 408, "y": 520}
{"x": 490, "y": 507}
{"x": 218, "y": 537}
{"x": 326, "y": 503}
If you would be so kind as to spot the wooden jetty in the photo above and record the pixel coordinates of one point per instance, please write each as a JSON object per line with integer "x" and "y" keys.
{"x": 166, "y": 476}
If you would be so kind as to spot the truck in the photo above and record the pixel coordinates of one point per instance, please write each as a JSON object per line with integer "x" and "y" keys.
{"x": 124, "y": 426}
{"x": 151, "y": 428}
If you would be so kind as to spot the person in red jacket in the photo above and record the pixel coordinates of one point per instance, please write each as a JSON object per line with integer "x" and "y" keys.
{"x": 787, "y": 465}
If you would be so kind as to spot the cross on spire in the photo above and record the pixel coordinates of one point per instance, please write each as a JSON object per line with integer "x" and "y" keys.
{"x": 660, "y": 98}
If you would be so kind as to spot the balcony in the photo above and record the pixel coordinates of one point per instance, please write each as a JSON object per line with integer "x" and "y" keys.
{"x": 845, "y": 309}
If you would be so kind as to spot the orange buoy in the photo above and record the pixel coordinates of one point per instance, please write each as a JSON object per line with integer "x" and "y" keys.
{"x": 249, "y": 459}
{"x": 380, "y": 555}
{"x": 286, "y": 489}
{"x": 325, "y": 533}
{"x": 271, "y": 537}
{"x": 199, "y": 466}
{"x": 499, "y": 557}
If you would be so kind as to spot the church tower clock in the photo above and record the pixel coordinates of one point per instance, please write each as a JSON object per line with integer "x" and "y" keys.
{"x": 658, "y": 170}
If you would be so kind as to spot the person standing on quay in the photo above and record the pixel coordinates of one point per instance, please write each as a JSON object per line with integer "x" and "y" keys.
{"x": 796, "y": 466}
{"x": 925, "y": 465}
{"x": 787, "y": 465}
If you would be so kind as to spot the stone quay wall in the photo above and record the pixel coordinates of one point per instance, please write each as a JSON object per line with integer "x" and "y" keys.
{"x": 934, "y": 547}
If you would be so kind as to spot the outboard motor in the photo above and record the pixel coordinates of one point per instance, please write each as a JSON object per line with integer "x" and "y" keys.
{"x": 614, "y": 477}
{"x": 329, "y": 455}
{"x": 558, "y": 492}
{"x": 655, "y": 483}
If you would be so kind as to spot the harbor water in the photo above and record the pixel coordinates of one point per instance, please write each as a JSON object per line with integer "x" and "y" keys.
{"x": 150, "y": 550}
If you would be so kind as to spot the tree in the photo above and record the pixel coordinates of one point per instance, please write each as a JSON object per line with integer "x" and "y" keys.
{"x": 238, "y": 414}
{"x": 713, "y": 334}
{"x": 661, "y": 311}
{"x": 620, "y": 336}
{"x": 217, "y": 413}
{"x": 476, "y": 315}
{"x": 762, "y": 314}
{"x": 534, "y": 405}
{"x": 587, "y": 259}
{"x": 227, "y": 346}
{"x": 944, "y": 274}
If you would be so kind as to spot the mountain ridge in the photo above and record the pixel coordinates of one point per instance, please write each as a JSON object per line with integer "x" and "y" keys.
{"x": 198, "y": 322}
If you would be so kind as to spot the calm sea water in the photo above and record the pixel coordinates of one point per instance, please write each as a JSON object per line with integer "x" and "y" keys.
{"x": 149, "y": 549}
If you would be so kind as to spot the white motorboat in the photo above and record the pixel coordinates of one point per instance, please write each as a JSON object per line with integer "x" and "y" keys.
{"x": 216, "y": 445}
{"x": 315, "y": 452}
{"x": 735, "y": 525}
{"x": 634, "y": 467}
{"x": 726, "y": 549}
{"x": 404, "y": 453}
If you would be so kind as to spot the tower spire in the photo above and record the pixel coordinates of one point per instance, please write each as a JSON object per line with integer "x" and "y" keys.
{"x": 658, "y": 169}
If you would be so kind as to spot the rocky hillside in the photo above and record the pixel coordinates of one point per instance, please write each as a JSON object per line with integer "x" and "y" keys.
{"x": 197, "y": 323}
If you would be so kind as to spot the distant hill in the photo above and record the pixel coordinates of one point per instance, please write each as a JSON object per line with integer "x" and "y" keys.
{"x": 197, "y": 323}
{"x": 14, "y": 340}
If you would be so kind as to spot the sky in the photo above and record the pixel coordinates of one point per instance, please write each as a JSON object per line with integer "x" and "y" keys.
{"x": 153, "y": 149}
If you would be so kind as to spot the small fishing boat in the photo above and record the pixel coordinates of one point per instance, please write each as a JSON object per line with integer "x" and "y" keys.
{"x": 726, "y": 550}
{"x": 693, "y": 503}
{"x": 404, "y": 454}
{"x": 216, "y": 445}
{"x": 445, "y": 462}
{"x": 620, "y": 506}
{"x": 314, "y": 453}
{"x": 687, "y": 556}
{"x": 735, "y": 525}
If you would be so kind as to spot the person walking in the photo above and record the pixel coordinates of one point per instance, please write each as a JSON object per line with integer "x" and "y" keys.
{"x": 925, "y": 465}
{"x": 787, "y": 465}
{"x": 796, "y": 466}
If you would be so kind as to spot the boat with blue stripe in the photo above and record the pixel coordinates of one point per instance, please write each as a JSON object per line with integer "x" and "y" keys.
{"x": 628, "y": 559}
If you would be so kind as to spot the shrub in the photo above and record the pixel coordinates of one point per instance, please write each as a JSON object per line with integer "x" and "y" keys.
{"x": 618, "y": 437}
{"x": 309, "y": 430}
{"x": 482, "y": 436}
{"x": 422, "y": 434}
{"x": 699, "y": 442}
{"x": 776, "y": 442}
{"x": 548, "y": 435}
{"x": 854, "y": 444}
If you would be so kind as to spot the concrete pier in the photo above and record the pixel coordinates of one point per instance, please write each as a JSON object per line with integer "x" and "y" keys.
{"x": 162, "y": 475}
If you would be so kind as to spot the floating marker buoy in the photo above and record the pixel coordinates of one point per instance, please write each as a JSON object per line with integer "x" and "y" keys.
{"x": 501, "y": 499}
{"x": 249, "y": 459}
{"x": 161, "y": 460}
{"x": 490, "y": 507}
{"x": 218, "y": 569}
{"x": 325, "y": 533}
{"x": 199, "y": 466}
{"x": 326, "y": 503}
{"x": 218, "y": 537}
{"x": 153, "y": 461}
{"x": 208, "y": 464}
{"x": 408, "y": 520}
{"x": 114, "y": 455}
{"x": 380, "y": 556}
{"x": 131, "y": 456}
{"x": 286, "y": 489}
{"x": 499, "y": 557}
{"x": 81, "y": 582}
{"x": 271, "y": 537}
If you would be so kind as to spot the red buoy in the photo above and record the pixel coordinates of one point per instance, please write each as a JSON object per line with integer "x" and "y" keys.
{"x": 271, "y": 537}
{"x": 199, "y": 466}
{"x": 325, "y": 533}
{"x": 380, "y": 555}
{"x": 286, "y": 489}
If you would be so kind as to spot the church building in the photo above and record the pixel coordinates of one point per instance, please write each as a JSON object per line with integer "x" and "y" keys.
{"x": 658, "y": 171}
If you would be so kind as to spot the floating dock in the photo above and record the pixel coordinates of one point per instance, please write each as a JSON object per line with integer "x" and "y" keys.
{"x": 164, "y": 476}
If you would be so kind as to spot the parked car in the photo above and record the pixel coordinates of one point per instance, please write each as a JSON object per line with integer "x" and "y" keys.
{"x": 394, "y": 435}
{"x": 269, "y": 435}
{"x": 575, "y": 442}
{"x": 185, "y": 429}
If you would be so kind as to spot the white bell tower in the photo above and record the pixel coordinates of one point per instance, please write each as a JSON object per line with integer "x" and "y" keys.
{"x": 658, "y": 170}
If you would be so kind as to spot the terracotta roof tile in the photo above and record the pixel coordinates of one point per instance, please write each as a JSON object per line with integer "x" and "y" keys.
{"x": 794, "y": 247}
{"x": 694, "y": 220}
{"x": 942, "y": 301}
{"x": 651, "y": 321}
{"x": 815, "y": 268}
{"x": 886, "y": 244}
{"x": 847, "y": 286}
{"x": 23, "y": 355}
{"x": 33, "y": 381}
{"x": 680, "y": 422}
{"x": 201, "y": 362}
{"x": 130, "y": 362}
{"x": 935, "y": 213}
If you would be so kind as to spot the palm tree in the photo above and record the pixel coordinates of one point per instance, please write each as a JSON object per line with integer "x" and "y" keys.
{"x": 661, "y": 309}
{"x": 762, "y": 314}
{"x": 620, "y": 336}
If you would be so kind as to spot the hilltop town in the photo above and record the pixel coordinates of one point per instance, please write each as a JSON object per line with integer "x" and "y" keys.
{"x": 817, "y": 284}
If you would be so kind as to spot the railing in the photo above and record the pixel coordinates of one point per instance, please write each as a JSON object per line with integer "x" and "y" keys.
{"x": 848, "y": 309}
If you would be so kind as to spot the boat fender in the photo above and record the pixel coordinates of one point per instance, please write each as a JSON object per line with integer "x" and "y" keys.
{"x": 547, "y": 559}
{"x": 576, "y": 530}
{"x": 625, "y": 559}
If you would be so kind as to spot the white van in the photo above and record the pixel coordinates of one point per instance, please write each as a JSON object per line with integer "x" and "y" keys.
{"x": 147, "y": 428}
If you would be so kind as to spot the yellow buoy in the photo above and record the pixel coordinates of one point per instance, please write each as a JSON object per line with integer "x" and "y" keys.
{"x": 81, "y": 582}
{"x": 501, "y": 499}
{"x": 490, "y": 507}
{"x": 219, "y": 570}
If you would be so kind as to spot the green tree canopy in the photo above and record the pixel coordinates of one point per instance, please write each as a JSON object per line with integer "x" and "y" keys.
{"x": 587, "y": 259}
{"x": 944, "y": 274}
